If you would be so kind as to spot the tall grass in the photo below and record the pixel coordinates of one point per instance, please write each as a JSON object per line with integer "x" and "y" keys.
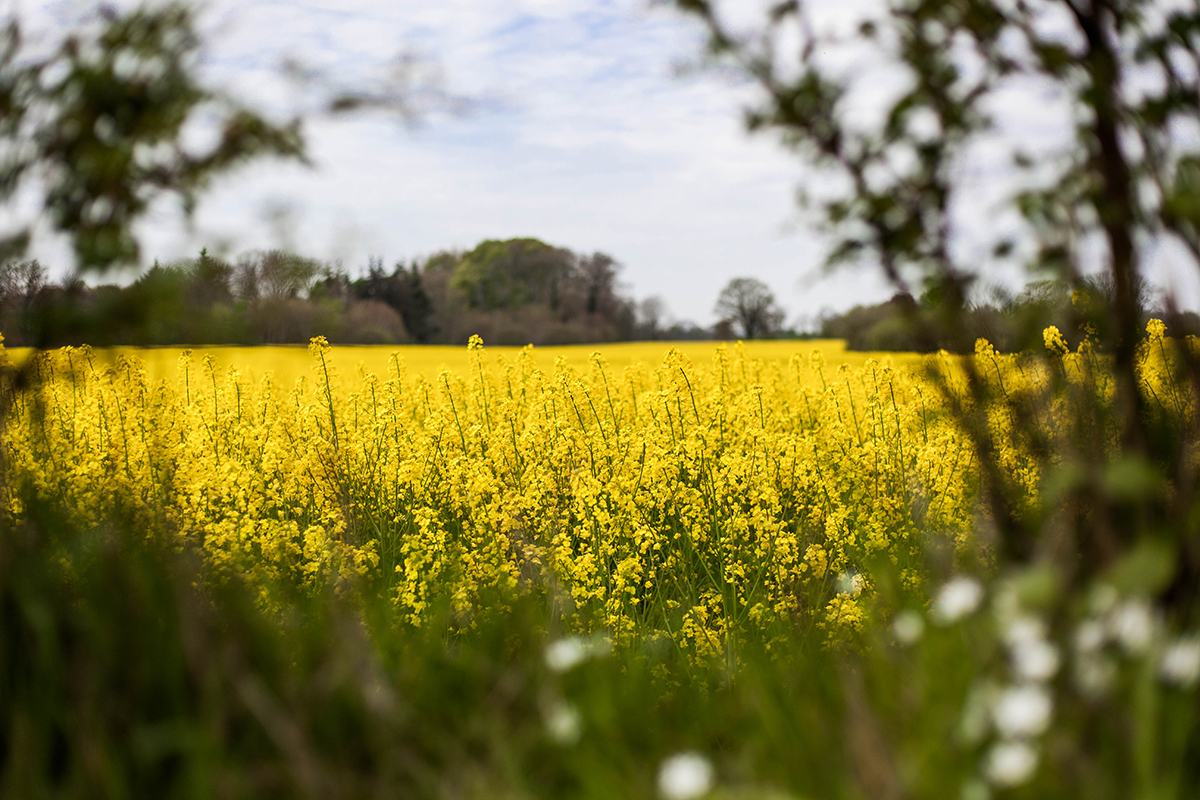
{"x": 511, "y": 582}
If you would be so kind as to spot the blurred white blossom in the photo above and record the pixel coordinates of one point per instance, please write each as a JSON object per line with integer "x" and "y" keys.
{"x": 1180, "y": 664}
{"x": 564, "y": 723}
{"x": 1132, "y": 624}
{"x": 1090, "y": 636}
{"x": 1010, "y": 763}
{"x": 1094, "y": 671}
{"x": 684, "y": 776}
{"x": 568, "y": 652}
{"x": 1022, "y": 711}
{"x": 908, "y": 626}
{"x": 958, "y": 598}
{"x": 1024, "y": 628}
{"x": 1035, "y": 660}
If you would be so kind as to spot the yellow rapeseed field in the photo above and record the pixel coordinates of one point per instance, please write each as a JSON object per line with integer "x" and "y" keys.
{"x": 692, "y": 492}
{"x": 286, "y": 363}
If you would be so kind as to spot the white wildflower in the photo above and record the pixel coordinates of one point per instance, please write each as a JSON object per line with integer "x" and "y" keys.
{"x": 1132, "y": 625}
{"x": 850, "y": 583}
{"x": 1010, "y": 763}
{"x": 1024, "y": 628}
{"x": 958, "y": 598}
{"x": 908, "y": 627}
{"x": 564, "y": 723}
{"x": 684, "y": 776}
{"x": 1035, "y": 660}
{"x": 568, "y": 652}
{"x": 1180, "y": 664}
{"x": 1022, "y": 711}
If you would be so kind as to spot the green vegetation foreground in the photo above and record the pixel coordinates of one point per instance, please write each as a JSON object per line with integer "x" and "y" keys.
{"x": 766, "y": 578}
{"x": 203, "y": 597}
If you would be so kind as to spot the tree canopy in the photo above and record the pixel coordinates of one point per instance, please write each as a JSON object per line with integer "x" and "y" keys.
{"x": 749, "y": 304}
{"x": 511, "y": 273}
{"x": 891, "y": 169}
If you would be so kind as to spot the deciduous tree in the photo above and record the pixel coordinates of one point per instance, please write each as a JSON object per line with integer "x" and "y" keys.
{"x": 748, "y": 304}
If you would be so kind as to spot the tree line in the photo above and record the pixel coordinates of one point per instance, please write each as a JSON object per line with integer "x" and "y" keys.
{"x": 942, "y": 319}
{"x": 516, "y": 291}
{"x": 510, "y": 292}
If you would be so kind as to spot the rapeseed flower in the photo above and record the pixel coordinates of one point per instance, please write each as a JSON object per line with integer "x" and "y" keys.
{"x": 699, "y": 501}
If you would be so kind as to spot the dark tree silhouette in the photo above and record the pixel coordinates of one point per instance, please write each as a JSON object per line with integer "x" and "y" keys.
{"x": 404, "y": 291}
{"x": 748, "y": 304}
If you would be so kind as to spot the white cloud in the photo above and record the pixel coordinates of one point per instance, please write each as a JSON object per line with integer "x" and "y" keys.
{"x": 584, "y": 137}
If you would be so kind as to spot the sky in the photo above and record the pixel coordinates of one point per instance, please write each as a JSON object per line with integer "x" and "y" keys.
{"x": 581, "y": 129}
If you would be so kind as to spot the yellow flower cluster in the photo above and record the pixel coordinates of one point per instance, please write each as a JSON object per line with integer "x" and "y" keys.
{"x": 693, "y": 500}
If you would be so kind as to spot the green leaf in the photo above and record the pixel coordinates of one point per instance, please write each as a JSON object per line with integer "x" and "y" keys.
{"x": 1131, "y": 477}
{"x": 1145, "y": 570}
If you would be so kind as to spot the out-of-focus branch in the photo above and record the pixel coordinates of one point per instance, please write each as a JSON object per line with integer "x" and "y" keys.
{"x": 411, "y": 87}
{"x": 100, "y": 123}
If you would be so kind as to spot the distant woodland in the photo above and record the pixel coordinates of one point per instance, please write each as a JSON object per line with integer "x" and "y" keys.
{"x": 516, "y": 291}
{"x": 511, "y": 292}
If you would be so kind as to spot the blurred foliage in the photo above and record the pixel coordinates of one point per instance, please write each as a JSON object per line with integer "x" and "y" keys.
{"x": 98, "y": 127}
{"x": 890, "y": 185}
{"x": 1012, "y": 323}
{"x": 1041, "y": 641}
{"x": 119, "y": 679}
{"x": 886, "y": 186}
{"x": 1115, "y": 512}
{"x": 513, "y": 273}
